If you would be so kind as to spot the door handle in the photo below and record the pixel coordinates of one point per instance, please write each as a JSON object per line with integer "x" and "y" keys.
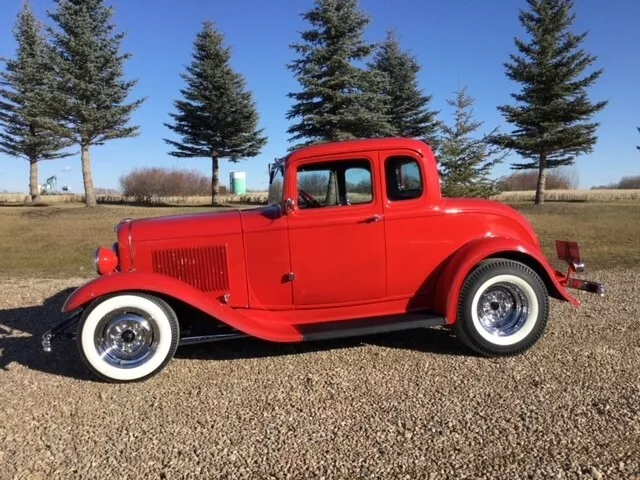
{"x": 374, "y": 218}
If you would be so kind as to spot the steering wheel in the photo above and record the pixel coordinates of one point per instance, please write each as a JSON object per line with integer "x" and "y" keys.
{"x": 308, "y": 198}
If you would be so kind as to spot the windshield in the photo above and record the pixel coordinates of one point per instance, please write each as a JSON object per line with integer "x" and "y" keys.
{"x": 276, "y": 182}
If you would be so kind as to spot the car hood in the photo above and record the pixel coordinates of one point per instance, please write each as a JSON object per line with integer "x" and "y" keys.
{"x": 187, "y": 225}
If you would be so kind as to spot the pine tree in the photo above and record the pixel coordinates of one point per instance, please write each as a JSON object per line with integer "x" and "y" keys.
{"x": 338, "y": 100}
{"x": 408, "y": 107}
{"x": 465, "y": 161}
{"x": 25, "y": 100}
{"x": 91, "y": 91}
{"x": 217, "y": 117}
{"x": 553, "y": 114}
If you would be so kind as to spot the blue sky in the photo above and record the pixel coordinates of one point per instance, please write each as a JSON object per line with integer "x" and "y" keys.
{"x": 456, "y": 42}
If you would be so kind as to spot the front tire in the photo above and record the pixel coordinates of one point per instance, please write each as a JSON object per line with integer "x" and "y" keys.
{"x": 128, "y": 337}
{"x": 503, "y": 308}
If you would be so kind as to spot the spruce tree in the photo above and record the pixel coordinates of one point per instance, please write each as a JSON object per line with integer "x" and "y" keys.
{"x": 92, "y": 94}
{"x": 465, "y": 157}
{"x": 407, "y": 106}
{"x": 338, "y": 99}
{"x": 553, "y": 115}
{"x": 25, "y": 100}
{"x": 217, "y": 117}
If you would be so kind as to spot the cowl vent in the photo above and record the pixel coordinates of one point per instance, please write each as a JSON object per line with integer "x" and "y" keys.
{"x": 203, "y": 267}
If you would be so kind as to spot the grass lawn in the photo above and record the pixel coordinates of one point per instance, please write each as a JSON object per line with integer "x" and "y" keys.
{"x": 608, "y": 233}
{"x": 60, "y": 240}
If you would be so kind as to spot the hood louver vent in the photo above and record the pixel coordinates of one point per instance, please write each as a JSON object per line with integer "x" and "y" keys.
{"x": 204, "y": 268}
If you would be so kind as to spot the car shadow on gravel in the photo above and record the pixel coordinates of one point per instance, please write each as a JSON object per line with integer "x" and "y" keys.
{"x": 21, "y": 332}
{"x": 429, "y": 340}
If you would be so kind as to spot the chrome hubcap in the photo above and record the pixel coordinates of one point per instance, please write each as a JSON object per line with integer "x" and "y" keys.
{"x": 503, "y": 309}
{"x": 126, "y": 339}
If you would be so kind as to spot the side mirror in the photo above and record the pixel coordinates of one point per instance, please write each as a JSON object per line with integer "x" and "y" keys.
{"x": 288, "y": 206}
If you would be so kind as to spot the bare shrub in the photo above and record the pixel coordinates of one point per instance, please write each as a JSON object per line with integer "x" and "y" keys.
{"x": 629, "y": 182}
{"x": 145, "y": 184}
{"x": 528, "y": 179}
{"x": 105, "y": 191}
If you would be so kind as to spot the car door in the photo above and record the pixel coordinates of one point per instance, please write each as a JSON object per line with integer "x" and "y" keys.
{"x": 336, "y": 232}
{"x": 415, "y": 227}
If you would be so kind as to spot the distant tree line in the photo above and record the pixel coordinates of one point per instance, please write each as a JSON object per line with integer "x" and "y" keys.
{"x": 65, "y": 88}
{"x": 630, "y": 182}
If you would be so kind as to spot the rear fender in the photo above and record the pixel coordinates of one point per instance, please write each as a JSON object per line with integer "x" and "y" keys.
{"x": 460, "y": 265}
{"x": 170, "y": 287}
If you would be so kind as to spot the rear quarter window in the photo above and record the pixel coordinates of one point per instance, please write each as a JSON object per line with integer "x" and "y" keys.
{"x": 404, "y": 179}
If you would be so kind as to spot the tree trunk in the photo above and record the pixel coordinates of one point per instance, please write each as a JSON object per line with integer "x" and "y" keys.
{"x": 542, "y": 179}
{"x": 33, "y": 180}
{"x": 215, "y": 170}
{"x": 90, "y": 196}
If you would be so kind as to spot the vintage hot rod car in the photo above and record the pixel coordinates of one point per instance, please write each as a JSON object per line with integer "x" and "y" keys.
{"x": 356, "y": 239}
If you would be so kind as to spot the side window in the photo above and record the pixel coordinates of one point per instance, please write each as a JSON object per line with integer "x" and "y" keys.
{"x": 317, "y": 187}
{"x": 403, "y": 178}
{"x": 345, "y": 182}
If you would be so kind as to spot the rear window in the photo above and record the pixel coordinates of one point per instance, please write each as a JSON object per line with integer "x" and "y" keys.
{"x": 404, "y": 179}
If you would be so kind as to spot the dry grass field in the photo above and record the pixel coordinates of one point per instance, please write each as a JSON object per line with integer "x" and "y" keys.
{"x": 608, "y": 233}
{"x": 60, "y": 239}
{"x": 250, "y": 197}
{"x": 606, "y": 195}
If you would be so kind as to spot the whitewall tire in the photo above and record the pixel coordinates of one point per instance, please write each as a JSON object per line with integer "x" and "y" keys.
{"x": 128, "y": 337}
{"x": 503, "y": 308}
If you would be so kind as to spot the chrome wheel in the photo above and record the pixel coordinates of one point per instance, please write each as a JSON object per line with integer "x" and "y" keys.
{"x": 126, "y": 339}
{"x": 503, "y": 309}
{"x": 128, "y": 336}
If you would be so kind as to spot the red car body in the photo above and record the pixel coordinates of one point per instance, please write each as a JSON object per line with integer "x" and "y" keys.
{"x": 280, "y": 271}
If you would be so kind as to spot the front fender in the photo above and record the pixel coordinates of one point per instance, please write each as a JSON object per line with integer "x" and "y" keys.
{"x": 170, "y": 287}
{"x": 460, "y": 265}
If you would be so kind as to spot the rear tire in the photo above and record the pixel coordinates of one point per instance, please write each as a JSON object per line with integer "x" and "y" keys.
{"x": 503, "y": 308}
{"x": 128, "y": 337}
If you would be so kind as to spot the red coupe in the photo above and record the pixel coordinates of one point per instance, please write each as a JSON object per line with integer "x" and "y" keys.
{"x": 356, "y": 239}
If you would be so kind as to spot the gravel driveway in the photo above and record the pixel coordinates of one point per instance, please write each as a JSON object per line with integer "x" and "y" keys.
{"x": 407, "y": 405}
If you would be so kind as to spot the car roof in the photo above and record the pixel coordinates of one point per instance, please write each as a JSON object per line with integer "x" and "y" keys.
{"x": 344, "y": 146}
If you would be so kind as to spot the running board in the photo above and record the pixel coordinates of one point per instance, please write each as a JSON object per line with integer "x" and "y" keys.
{"x": 218, "y": 337}
{"x": 369, "y": 326}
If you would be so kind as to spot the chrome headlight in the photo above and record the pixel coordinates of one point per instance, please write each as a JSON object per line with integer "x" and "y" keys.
{"x": 96, "y": 260}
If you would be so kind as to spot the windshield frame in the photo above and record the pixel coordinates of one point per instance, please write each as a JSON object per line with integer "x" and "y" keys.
{"x": 276, "y": 171}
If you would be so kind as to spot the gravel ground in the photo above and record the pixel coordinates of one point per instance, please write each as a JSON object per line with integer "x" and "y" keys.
{"x": 407, "y": 405}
